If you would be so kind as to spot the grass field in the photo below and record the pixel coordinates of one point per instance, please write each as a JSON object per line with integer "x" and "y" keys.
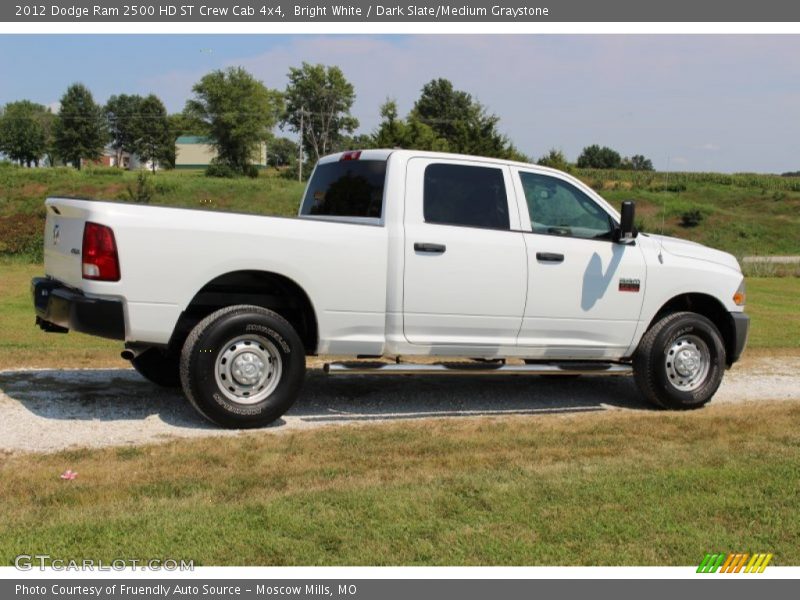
{"x": 24, "y": 344}
{"x": 22, "y": 191}
{"x": 742, "y": 214}
{"x": 617, "y": 488}
{"x": 772, "y": 304}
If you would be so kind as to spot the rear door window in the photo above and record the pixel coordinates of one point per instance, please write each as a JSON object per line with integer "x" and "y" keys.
{"x": 346, "y": 188}
{"x": 466, "y": 195}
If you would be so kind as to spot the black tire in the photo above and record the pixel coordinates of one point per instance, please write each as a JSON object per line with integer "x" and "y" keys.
{"x": 219, "y": 342}
{"x": 160, "y": 368}
{"x": 666, "y": 383}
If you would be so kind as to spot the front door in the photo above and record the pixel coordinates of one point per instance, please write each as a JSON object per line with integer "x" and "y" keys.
{"x": 584, "y": 290}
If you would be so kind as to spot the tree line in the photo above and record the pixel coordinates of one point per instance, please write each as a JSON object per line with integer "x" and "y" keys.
{"x": 31, "y": 133}
{"x": 238, "y": 113}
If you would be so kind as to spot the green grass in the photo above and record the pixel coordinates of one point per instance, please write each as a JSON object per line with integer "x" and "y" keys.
{"x": 24, "y": 190}
{"x": 24, "y": 344}
{"x": 771, "y": 302}
{"x": 742, "y": 214}
{"x": 601, "y": 489}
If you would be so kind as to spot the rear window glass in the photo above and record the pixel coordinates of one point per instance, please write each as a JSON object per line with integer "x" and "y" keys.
{"x": 465, "y": 195}
{"x": 348, "y": 188}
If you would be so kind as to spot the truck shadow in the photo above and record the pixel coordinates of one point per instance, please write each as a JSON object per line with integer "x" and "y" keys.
{"x": 122, "y": 395}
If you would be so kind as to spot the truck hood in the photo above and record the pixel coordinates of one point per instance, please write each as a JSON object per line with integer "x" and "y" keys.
{"x": 687, "y": 249}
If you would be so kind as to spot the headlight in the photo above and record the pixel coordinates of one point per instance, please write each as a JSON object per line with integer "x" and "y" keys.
{"x": 740, "y": 296}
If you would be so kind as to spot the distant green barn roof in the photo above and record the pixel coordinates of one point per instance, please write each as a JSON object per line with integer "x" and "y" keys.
{"x": 194, "y": 139}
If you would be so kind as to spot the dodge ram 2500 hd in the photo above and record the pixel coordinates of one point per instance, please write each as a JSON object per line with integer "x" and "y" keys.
{"x": 394, "y": 253}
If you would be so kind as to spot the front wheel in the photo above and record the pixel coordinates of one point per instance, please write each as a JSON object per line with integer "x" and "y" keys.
{"x": 242, "y": 366}
{"x": 680, "y": 361}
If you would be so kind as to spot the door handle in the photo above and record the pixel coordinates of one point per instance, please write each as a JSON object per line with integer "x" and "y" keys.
{"x": 550, "y": 257}
{"x": 429, "y": 248}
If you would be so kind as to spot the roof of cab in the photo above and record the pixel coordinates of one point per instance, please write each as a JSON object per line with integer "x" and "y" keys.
{"x": 381, "y": 154}
{"x": 384, "y": 153}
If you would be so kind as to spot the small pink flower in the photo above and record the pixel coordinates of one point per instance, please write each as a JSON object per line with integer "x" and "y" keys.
{"x": 69, "y": 474}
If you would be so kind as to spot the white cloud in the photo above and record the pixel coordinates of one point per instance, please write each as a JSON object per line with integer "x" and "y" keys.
{"x": 659, "y": 96}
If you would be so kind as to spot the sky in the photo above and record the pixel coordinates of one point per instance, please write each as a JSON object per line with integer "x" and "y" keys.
{"x": 728, "y": 103}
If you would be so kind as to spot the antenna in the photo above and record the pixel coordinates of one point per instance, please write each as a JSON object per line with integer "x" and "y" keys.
{"x": 300, "y": 149}
{"x": 664, "y": 213}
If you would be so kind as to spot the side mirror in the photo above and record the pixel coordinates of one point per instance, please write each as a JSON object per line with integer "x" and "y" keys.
{"x": 626, "y": 232}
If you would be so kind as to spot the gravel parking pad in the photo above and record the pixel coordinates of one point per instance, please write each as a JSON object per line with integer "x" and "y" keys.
{"x": 50, "y": 410}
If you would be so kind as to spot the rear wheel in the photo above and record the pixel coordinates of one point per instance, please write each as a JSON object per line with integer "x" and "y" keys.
{"x": 242, "y": 366}
{"x": 155, "y": 365}
{"x": 680, "y": 361}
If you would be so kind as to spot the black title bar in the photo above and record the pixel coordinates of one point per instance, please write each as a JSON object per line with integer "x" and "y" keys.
{"x": 415, "y": 11}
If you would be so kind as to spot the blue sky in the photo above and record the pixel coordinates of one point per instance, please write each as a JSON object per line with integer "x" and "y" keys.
{"x": 691, "y": 102}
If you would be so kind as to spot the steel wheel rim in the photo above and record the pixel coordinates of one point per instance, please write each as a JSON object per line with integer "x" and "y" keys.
{"x": 248, "y": 369}
{"x": 687, "y": 362}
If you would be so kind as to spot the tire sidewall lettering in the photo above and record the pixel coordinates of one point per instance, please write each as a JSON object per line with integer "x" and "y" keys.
{"x": 271, "y": 333}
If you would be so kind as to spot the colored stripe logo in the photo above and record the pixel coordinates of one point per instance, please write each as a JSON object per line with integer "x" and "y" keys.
{"x": 736, "y": 562}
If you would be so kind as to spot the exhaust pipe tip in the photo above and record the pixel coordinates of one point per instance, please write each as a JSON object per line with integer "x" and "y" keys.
{"x": 128, "y": 354}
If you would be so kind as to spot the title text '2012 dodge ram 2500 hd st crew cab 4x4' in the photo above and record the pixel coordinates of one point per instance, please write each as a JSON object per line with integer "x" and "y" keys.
{"x": 394, "y": 253}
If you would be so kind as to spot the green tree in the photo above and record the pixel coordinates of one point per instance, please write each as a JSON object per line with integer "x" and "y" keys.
{"x": 321, "y": 98}
{"x": 390, "y": 133}
{"x": 154, "y": 141}
{"x": 462, "y": 121}
{"x": 410, "y": 133}
{"x": 595, "y": 157}
{"x": 360, "y": 141}
{"x": 48, "y": 121}
{"x": 123, "y": 116}
{"x": 186, "y": 124}
{"x": 238, "y": 112}
{"x": 23, "y": 132}
{"x": 637, "y": 162}
{"x": 282, "y": 152}
{"x": 555, "y": 159}
{"x": 80, "y": 130}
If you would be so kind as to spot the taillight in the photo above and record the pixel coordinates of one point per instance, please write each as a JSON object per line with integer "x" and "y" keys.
{"x": 352, "y": 155}
{"x": 100, "y": 260}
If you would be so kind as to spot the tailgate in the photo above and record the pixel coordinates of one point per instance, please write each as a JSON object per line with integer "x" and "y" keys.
{"x": 63, "y": 239}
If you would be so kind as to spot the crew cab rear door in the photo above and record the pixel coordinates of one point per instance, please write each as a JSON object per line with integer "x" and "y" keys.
{"x": 465, "y": 273}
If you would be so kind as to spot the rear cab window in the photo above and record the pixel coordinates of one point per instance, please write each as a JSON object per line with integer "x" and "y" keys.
{"x": 346, "y": 189}
{"x": 465, "y": 195}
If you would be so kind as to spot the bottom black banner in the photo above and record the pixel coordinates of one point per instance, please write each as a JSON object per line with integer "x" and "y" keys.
{"x": 393, "y": 589}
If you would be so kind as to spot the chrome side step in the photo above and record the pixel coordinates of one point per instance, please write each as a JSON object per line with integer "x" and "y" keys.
{"x": 584, "y": 368}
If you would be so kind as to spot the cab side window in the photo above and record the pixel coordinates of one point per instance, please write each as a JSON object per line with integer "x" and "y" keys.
{"x": 557, "y": 207}
{"x": 465, "y": 195}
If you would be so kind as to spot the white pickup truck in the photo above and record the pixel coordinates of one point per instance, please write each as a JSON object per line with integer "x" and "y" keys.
{"x": 394, "y": 253}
